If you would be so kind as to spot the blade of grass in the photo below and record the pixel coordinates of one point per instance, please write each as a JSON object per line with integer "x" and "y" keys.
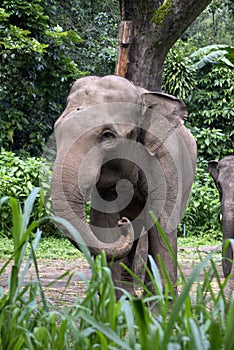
{"x": 155, "y": 276}
{"x": 105, "y": 330}
{"x": 16, "y": 228}
{"x": 28, "y": 207}
{"x": 215, "y": 335}
{"x": 43, "y": 298}
{"x": 197, "y": 338}
{"x": 130, "y": 324}
{"x": 168, "y": 283}
{"x": 136, "y": 278}
{"x": 228, "y": 337}
{"x": 30, "y": 258}
{"x": 143, "y": 322}
{"x": 13, "y": 284}
{"x": 185, "y": 291}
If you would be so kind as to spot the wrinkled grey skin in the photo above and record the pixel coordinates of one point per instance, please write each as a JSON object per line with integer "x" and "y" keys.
{"x": 222, "y": 172}
{"x": 121, "y": 132}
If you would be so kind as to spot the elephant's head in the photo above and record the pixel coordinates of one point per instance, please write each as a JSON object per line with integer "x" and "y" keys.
{"x": 101, "y": 138}
{"x": 222, "y": 172}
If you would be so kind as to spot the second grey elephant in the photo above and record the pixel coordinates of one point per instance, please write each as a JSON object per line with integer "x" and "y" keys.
{"x": 128, "y": 150}
{"x": 222, "y": 172}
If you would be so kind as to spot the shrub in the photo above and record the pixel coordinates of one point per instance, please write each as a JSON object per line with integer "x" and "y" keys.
{"x": 36, "y": 72}
{"x": 202, "y": 214}
{"x": 17, "y": 178}
{"x": 179, "y": 78}
{"x": 211, "y": 111}
{"x": 208, "y": 94}
{"x": 211, "y": 143}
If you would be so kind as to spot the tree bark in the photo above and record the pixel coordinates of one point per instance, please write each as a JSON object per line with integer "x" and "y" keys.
{"x": 125, "y": 32}
{"x": 156, "y": 25}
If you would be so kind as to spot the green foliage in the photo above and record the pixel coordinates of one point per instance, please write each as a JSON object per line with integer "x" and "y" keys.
{"x": 212, "y": 143}
{"x": 214, "y": 25}
{"x": 213, "y": 102}
{"x": 44, "y": 47}
{"x": 179, "y": 78}
{"x": 196, "y": 319}
{"x": 208, "y": 93}
{"x": 202, "y": 216}
{"x": 199, "y": 241}
{"x": 212, "y": 111}
{"x": 210, "y": 101}
{"x": 36, "y": 72}
{"x": 17, "y": 178}
{"x": 97, "y": 24}
{"x": 99, "y": 30}
{"x": 214, "y": 54}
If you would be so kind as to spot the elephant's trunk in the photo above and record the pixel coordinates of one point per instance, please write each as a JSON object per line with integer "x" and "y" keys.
{"x": 228, "y": 232}
{"x": 69, "y": 203}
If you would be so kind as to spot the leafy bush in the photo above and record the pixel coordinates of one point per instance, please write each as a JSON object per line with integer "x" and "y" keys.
{"x": 36, "y": 72}
{"x": 202, "y": 216}
{"x": 211, "y": 112}
{"x": 198, "y": 319}
{"x": 211, "y": 143}
{"x": 208, "y": 93}
{"x": 17, "y": 178}
{"x": 98, "y": 51}
{"x": 220, "y": 55}
{"x": 179, "y": 78}
{"x": 45, "y": 47}
{"x": 212, "y": 104}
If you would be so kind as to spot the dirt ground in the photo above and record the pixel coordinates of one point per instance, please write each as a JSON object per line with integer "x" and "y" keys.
{"x": 57, "y": 293}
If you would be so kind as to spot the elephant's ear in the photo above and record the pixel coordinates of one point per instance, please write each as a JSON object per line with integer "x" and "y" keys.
{"x": 163, "y": 114}
{"x": 167, "y": 105}
{"x": 212, "y": 168}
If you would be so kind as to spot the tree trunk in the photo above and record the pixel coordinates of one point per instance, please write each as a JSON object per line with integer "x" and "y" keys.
{"x": 156, "y": 25}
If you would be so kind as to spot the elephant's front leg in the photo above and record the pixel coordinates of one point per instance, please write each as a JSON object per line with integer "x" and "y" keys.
{"x": 158, "y": 248}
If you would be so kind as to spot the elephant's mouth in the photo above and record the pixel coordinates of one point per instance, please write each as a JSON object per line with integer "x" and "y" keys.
{"x": 116, "y": 170}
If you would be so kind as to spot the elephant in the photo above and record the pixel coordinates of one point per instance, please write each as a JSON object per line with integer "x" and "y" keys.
{"x": 128, "y": 151}
{"x": 222, "y": 172}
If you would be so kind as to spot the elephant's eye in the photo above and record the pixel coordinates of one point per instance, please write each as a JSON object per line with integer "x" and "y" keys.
{"x": 107, "y": 135}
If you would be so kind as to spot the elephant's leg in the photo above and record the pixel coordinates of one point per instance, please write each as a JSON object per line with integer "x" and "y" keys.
{"x": 157, "y": 248}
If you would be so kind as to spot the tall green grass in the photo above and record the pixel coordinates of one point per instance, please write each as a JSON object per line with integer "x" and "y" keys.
{"x": 198, "y": 318}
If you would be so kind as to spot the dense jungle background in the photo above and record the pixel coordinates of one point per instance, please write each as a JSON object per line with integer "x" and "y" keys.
{"x": 46, "y": 45}
{"x": 51, "y": 295}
